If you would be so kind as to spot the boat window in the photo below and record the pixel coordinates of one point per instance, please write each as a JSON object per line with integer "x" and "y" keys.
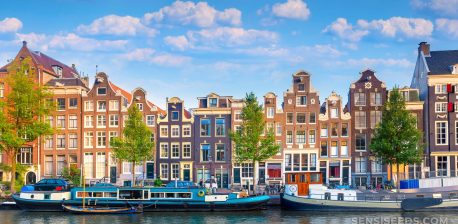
{"x": 131, "y": 194}
{"x": 110, "y": 194}
{"x": 47, "y": 196}
{"x": 314, "y": 177}
{"x": 303, "y": 178}
{"x": 184, "y": 195}
{"x": 145, "y": 194}
{"x": 157, "y": 195}
{"x": 79, "y": 194}
{"x": 292, "y": 178}
{"x": 98, "y": 194}
{"x": 169, "y": 195}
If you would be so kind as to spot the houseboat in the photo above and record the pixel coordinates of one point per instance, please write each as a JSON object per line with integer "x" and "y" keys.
{"x": 151, "y": 199}
{"x": 305, "y": 192}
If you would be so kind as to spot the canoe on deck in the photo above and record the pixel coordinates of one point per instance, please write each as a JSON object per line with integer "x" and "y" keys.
{"x": 102, "y": 210}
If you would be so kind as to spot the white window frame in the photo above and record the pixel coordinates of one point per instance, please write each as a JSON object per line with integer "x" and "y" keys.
{"x": 436, "y": 134}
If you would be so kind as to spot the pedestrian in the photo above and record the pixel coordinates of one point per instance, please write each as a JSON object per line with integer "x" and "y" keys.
{"x": 201, "y": 183}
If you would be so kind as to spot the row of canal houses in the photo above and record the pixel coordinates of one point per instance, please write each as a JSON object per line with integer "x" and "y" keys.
{"x": 194, "y": 144}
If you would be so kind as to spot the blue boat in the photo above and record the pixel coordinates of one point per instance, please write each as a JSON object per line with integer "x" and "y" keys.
{"x": 154, "y": 199}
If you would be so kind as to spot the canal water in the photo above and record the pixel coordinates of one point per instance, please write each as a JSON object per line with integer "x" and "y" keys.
{"x": 271, "y": 215}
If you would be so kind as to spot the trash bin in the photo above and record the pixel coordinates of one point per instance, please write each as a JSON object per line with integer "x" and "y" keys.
{"x": 327, "y": 196}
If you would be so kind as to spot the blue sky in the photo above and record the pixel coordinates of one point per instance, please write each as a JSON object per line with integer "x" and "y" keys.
{"x": 190, "y": 48}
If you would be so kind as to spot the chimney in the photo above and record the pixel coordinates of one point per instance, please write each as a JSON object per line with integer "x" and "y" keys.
{"x": 424, "y": 47}
{"x": 85, "y": 80}
{"x": 24, "y": 43}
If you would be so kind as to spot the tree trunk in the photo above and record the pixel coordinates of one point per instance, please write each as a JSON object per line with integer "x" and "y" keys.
{"x": 13, "y": 171}
{"x": 255, "y": 174}
{"x": 398, "y": 179}
{"x": 133, "y": 173}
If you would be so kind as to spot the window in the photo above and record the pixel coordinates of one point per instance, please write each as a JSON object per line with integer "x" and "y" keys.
{"x": 334, "y": 113}
{"x": 360, "y": 142}
{"x": 212, "y": 102}
{"x": 205, "y": 152}
{"x": 270, "y": 112}
{"x": 88, "y": 106}
{"x": 247, "y": 170}
{"x": 2, "y": 90}
{"x": 442, "y": 166}
{"x": 441, "y": 107}
{"x": 151, "y": 138}
{"x": 343, "y": 148}
{"x": 186, "y": 130}
{"x": 300, "y": 118}
{"x": 60, "y": 103}
{"x": 73, "y": 103}
{"x": 164, "y": 150}
{"x": 140, "y": 106}
{"x": 360, "y": 99}
{"x": 304, "y": 161}
{"x": 88, "y": 121}
{"x": 114, "y": 120}
{"x": 220, "y": 127}
{"x": 60, "y": 141}
{"x": 376, "y": 99}
{"x": 48, "y": 166}
{"x": 441, "y": 88}
{"x": 164, "y": 171}
{"x": 324, "y": 148}
{"x": 441, "y": 132}
{"x": 456, "y": 134}
{"x": 164, "y": 131}
{"x": 301, "y": 87}
{"x": 175, "y": 131}
{"x": 334, "y": 130}
{"x": 114, "y": 105}
{"x": 377, "y": 165}
{"x": 100, "y": 165}
{"x": 72, "y": 160}
{"x": 296, "y": 162}
{"x": 312, "y": 162}
{"x": 150, "y": 120}
{"x": 50, "y": 120}
{"x": 205, "y": 127}
{"x": 175, "y": 171}
{"x": 61, "y": 121}
{"x": 73, "y": 141}
{"x": 101, "y": 121}
{"x": 186, "y": 150}
{"x": 49, "y": 142}
{"x": 175, "y": 150}
{"x": 324, "y": 130}
{"x": 301, "y": 100}
{"x": 25, "y": 156}
{"x": 376, "y": 117}
{"x": 101, "y": 139}
{"x": 101, "y": 91}
{"x": 360, "y": 119}
{"x": 127, "y": 168}
{"x": 360, "y": 164}
{"x": 312, "y": 118}
{"x": 278, "y": 129}
{"x": 300, "y": 137}
{"x": 88, "y": 165}
{"x": 72, "y": 121}
{"x": 114, "y": 134}
{"x": 334, "y": 151}
{"x": 220, "y": 152}
{"x": 60, "y": 164}
{"x": 288, "y": 164}
{"x": 101, "y": 105}
{"x": 289, "y": 118}
{"x": 88, "y": 139}
{"x": 344, "y": 129}
{"x": 289, "y": 137}
{"x": 238, "y": 115}
{"x": 311, "y": 136}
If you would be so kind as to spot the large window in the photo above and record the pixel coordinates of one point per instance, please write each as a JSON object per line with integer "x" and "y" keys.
{"x": 49, "y": 142}
{"x": 61, "y": 121}
{"x": 175, "y": 150}
{"x": 270, "y": 112}
{"x": 205, "y": 152}
{"x": 101, "y": 105}
{"x": 376, "y": 117}
{"x": 61, "y": 141}
{"x": 88, "y": 121}
{"x": 72, "y": 121}
{"x": 164, "y": 153}
{"x": 187, "y": 150}
{"x": 24, "y": 156}
{"x": 205, "y": 127}
{"x": 324, "y": 130}
{"x": 73, "y": 141}
{"x": 60, "y": 103}
{"x": 300, "y": 137}
{"x": 440, "y": 107}
{"x": 301, "y": 100}
{"x": 376, "y": 99}
{"x": 377, "y": 165}
{"x": 324, "y": 149}
{"x": 360, "y": 99}
{"x": 441, "y": 133}
{"x": 101, "y": 121}
{"x": 220, "y": 127}
{"x": 48, "y": 166}
{"x": 343, "y": 148}
{"x": 360, "y": 119}
{"x": 247, "y": 170}
{"x": 114, "y": 105}
{"x": 100, "y": 165}
{"x": 175, "y": 171}
{"x": 442, "y": 162}
{"x": 289, "y": 118}
{"x": 360, "y": 142}
{"x": 220, "y": 152}
{"x": 60, "y": 164}
{"x": 164, "y": 171}
{"x": 334, "y": 113}
{"x": 88, "y": 105}
{"x": 88, "y": 139}
{"x": 73, "y": 103}
{"x": 360, "y": 164}
{"x": 101, "y": 139}
{"x": 334, "y": 150}
{"x": 300, "y": 118}
{"x": 88, "y": 165}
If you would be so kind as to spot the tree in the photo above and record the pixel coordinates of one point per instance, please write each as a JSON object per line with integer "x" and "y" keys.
{"x": 135, "y": 145}
{"x": 397, "y": 139}
{"x": 251, "y": 145}
{"x": 22, "y": 113}
{"x": 73, "y": 174}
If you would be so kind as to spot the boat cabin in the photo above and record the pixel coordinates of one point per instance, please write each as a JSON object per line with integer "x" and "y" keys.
{"x": 303, "y": 180}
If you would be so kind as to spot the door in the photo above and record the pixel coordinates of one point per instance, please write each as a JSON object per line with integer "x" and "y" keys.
{"x": 186, "y": 175}
{"x": 262, "y": 175}
{"x": 113, "y": 174}
{"x": 149, "y": 170}
{"x": 302, "y": 184}
{"x": 31, "y": 178}
{"x": 236, "y": 175}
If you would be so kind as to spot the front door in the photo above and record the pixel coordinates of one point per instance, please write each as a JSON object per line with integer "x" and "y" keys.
{"x": 186, "y": 174}
{"x": 149, "y": 170}
{"x": 113, "y": 174}
{"x": 31, "y": 178}
{"x": 302, "y": 184}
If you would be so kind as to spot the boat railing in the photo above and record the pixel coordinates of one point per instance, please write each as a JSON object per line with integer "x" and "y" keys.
{"x": 364, "y": 197}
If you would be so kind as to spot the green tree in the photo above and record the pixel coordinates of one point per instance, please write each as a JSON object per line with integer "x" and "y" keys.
{"x": 73, "y": 174}
{"x": 252, "y": 144}
{"x": 397, "y": 140}
{"x": 22, "y": 113}
{"x": 135, "y": 145}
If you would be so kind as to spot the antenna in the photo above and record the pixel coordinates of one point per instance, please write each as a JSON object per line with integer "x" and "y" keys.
{"x": 96, "y": 67}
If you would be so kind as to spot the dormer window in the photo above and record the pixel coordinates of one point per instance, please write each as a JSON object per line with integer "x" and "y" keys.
{"x": 140, "y": 106}
{"x": 454, "y": 69}
{"x": 301, "y": 87}
{"x": 58, "y": 70}
{"x": 102, "y": 91}
{"x": 212, "y": 102}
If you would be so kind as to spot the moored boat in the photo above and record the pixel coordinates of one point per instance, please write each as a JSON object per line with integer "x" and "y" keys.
{"x": 101, "y": 210}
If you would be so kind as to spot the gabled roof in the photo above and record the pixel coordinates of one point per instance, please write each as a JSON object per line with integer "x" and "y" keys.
{"x": 440, "y": 61}
{"x": 66, "y": 82}
{"x": 161, "y": 111}
{"x": 126, "y": 94}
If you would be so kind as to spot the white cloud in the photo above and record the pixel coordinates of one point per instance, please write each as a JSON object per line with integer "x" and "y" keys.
{"x": 151, "y": 56}
{"x": 178, "y": 42}
{"x": 10, "y": 25}
{"x": 231, "y": 36}
{"x": 345, "y": 31}
{"x": 71, "y": 41}
{"x": 447, "y": 7}
{"x": 448, "y": 26}
{"x": 292, "y": 9}
{"x": 264, "y": 51}
{"x": 323, "y": 51}
{"x": 408, "y": 27}
{"x": 199, "y": 14}
{"x": 371, "y": 62}
{"x": 116, "y": 25}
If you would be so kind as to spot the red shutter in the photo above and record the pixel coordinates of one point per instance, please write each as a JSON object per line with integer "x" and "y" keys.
{"x": 450, "y": 107}
{"x": 449, "y": 88}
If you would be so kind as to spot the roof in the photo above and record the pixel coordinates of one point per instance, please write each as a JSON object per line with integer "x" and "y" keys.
{"x": 161, "y": 111}
{"x": 187, "y": 114}
{"x": 66, "y": 82}
{"x": 440, "y": 61}
{"x": 126, "y": 94}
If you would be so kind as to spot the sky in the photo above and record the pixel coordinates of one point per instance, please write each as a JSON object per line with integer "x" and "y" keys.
{"x": 192, "y": 48}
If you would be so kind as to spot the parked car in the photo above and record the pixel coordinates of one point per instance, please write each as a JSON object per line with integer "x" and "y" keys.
{"x": 52, "y": 185}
